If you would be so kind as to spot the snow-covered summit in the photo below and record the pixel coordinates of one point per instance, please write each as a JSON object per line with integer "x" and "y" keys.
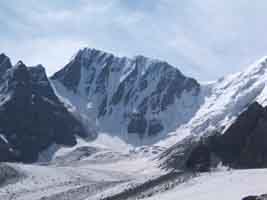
{"x": 121, "y": 94}
{"x": 128, "y": 96}
{"x": 225, "y": 99}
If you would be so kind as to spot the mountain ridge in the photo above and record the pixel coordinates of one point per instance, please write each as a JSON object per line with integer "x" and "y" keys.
{"x": 141, "y": 88}
{"x": 207, "y": 127}
{"x": 213, "y": 110}
{"x": 27, "y": 100}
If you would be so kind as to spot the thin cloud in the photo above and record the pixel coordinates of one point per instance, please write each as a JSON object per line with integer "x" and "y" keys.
{"x": 204, "y": 39}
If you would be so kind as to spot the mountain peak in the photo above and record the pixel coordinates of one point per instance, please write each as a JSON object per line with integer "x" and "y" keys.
{"x": 38, "y": 73}
{"x": 137, "y": 91}
{"x": 143, "y": 58}
{"x": 87, "y": 53}
{"x": 38, "y": 68}
{"x": 2, "y": 56}
{"x": 5, "y": 64}
{"x": 257, "y": 68}
{"x": 28, "y": 98}
{"x": 20, "y": 64}
{"x": 20, "y": 70}
{"x": 101, "y": 54}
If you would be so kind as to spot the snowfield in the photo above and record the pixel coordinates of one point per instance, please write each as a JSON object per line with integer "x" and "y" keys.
{"x": 82, "y": 174}
{"x": 224, "y": 185}
{"x": 93, "y": 179}
{"x": 75, "y": 173}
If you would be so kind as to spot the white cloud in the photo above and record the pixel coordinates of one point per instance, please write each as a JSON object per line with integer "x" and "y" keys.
{"x": 204, "y": 38}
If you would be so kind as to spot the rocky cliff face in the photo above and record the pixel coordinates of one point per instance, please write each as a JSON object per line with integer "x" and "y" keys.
{"x": 31, "y": 115}
{"x": 243, "y": 145}
{"x": 138, "y": 96}
{"x": 232, "y": 117}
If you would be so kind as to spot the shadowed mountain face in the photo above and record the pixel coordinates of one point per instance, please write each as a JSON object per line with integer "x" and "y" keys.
{"x": 5, "y": 64}
{"x": 31, "y": 115}
{"x": 138, "y": 96}
{"x": 243, "y": 145}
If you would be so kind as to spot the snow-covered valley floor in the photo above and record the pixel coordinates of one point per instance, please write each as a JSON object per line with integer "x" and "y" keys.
{"x": 93, "y": 171}
{"x": 224, "y": 185}
{"x": 84, "y": 172}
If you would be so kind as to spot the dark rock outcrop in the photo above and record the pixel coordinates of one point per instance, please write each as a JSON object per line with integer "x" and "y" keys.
{"x": 71, "y": 74}
{"x": 250, "y": 198}
{"x": 199, "y": 159}
{"x": 261, "y": 197}
{"x": 8, "y": 174}
{"x": 243, "y": 145}
{"x": 5, "y": 64}
{"x": 31, "y": 115}
{"x": 6, "y": 152}
{"x": 176, "y": 157}
{"x": 137, "y": 124}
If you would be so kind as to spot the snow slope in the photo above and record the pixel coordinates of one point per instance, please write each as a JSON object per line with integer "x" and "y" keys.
{"x": 105, "y": 173}
{"x": 231, "y": 95}
{"x": 79, "y": 177}
{"x": 232, "y": 185}
{"x": 223, "y": 101}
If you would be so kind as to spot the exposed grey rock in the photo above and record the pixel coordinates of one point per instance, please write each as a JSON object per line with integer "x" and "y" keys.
{"x": 8, "y": 174}
{"x": 140, "y": 88}
{"x": 137, "y": 124}
{"x": 261, "y": 197}
{"x": 75, "y": 155}
{"x": 243, "y": 145}
{"x": 31, "y": 115}
{"x": 5, "y": 64}
{"x": 71, "y": 74}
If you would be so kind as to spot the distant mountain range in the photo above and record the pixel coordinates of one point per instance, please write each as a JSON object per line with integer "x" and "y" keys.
{"x": 140, "y": 100}
{"x": 137, "y": 99}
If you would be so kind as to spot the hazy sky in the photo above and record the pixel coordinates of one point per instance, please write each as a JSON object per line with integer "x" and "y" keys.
{"x": 203, "y": 38}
